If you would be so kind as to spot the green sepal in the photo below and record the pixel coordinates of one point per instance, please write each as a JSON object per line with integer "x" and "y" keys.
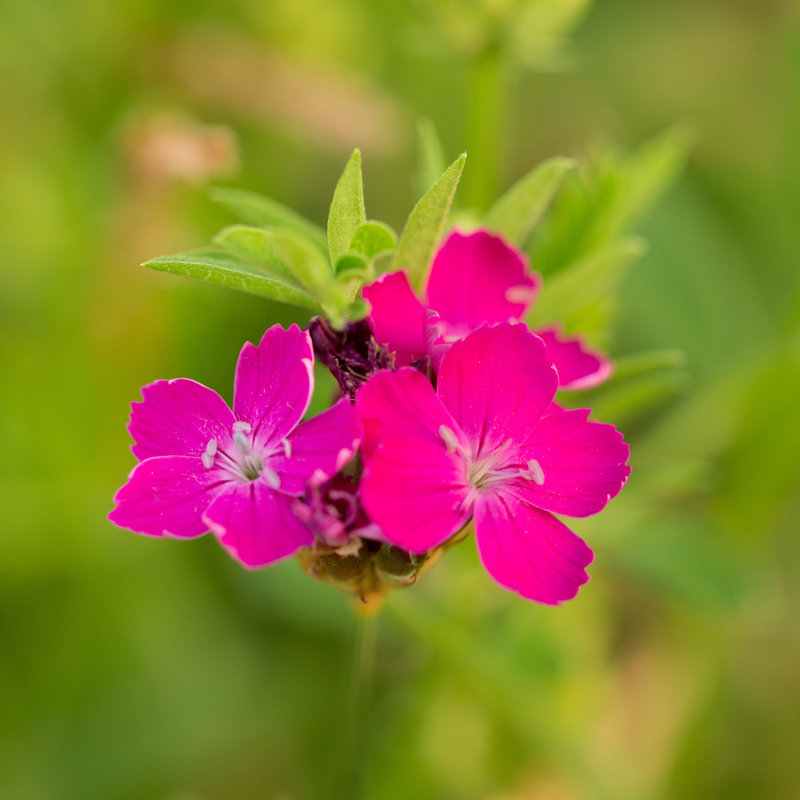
{"x": 347, "y": 208}
{"x": 255, "y": 209}
{"x": 518, "y": 211}
{"x": 425, "y": 224}
{"x": 217, "y": 266}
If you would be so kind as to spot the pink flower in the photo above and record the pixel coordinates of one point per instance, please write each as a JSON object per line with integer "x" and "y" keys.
{"x": 483, "y": 445}
{"x": 475, "y": 278}
{"x": 235, "y": 472}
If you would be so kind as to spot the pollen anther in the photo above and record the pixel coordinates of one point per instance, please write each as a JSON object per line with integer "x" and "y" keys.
{"x": 287, "y": 448}
{"x": 208, "y": 455}
{"x": 240, "y": 426}
{"x": 271, "y": 477}
{"x": 449, "y": 438}
{"x": 535, "y": 472}
{"x": 242, "y": 445}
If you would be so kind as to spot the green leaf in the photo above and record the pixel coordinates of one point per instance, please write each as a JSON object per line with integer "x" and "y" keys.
{"x": 216, "y": 266}
{"x": 310, "y": 267}
{"x": 347, "y": 208}
{"x": 255, "y": 209}
{"x": 605, "y": 200}
{"x": 372, "y": 238}
{"x": 516, "y": 213}
{"x": 351, "y": 265}
{"x": 257, "y": 247}
{"x": 430, "y": 155}
{"x": 425, "y": 224}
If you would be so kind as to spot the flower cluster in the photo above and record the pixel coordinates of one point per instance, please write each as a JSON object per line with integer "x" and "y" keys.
{"x": 447, "y": 416}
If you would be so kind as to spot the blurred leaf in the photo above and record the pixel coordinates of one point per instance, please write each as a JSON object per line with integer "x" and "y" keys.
{"x": 347, "y": 208}
{"x": 643, "y": 363}
{"x": 425, "y": 224}
{"x": 649, "y": 172}
{"x": 372, "y": 238}
{"x": 216, "y": 266}
{"x": 537, "y": 34}
{"x": 265, "y": 212}
{"x": 430, "y": 155}
{"x": 516, "y": 213}
{"x": 637, "y": 385}
{"x": 623, "y": 403}
{"x": 583, "y": 297}
{"x": 605, "y": 199}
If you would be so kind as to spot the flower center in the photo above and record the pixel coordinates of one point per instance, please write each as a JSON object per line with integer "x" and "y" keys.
{"x": 498, "y": 467}
{"x": 244, "y": 463}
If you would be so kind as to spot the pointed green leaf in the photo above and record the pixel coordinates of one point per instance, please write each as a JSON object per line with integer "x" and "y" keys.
{"x": 425, "y": 224}
{"x": 286, "y": 255}
{"x": 216, "y": 266}
{"x": 310, "y": 267}
{"x": 430, "y": 154}
{"x": 255, "y": 209}
{"x": 372, "y": 238}
{"x": 516, "y": 213}
{"x": 257, "y": 247}
{"x": 347, "y": 208}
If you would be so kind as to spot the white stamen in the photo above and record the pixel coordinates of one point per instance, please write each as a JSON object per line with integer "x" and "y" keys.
{"x": 287, "y": 447}
{"x": 449, "y": 438}
{"x": 208, "y": 456}
{"x": 271, "y": 477}
{"x": 535, "y": 472}
{"x": 242, "y": 445}
{"x": 240, "y": 426}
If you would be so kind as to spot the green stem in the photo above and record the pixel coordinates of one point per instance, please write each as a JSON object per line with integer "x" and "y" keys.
{"x": 486, "y": 133}
{"x": 362, "y": 672}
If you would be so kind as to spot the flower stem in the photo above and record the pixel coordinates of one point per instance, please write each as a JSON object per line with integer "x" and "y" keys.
{"x": 362, "y": 672}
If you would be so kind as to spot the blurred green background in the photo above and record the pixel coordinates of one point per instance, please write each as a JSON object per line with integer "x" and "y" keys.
{"x": 139, "y": 669}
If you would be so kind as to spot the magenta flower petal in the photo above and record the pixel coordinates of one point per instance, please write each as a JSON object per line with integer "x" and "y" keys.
{"x": 166, "y": 496}
{"x": 255, "y": 524}
{"x": 529, "y": 551}
{"x": 497, "y": 383}
{"x": 324, "y": 443}
{"x": 397, "y": 316}
{"x": 401, "y": 404}
{"x": 579, "y": 464}
{"x": 477, "y": 278}
{"x": 578, "y": 366}
{"x": 178, "y": 417}
{"x": 273, "y": 383}
{"x": 415, "y": 491}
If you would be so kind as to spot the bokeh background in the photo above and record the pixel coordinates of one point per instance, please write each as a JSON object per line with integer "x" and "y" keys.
{"x": 135, "y": 669}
